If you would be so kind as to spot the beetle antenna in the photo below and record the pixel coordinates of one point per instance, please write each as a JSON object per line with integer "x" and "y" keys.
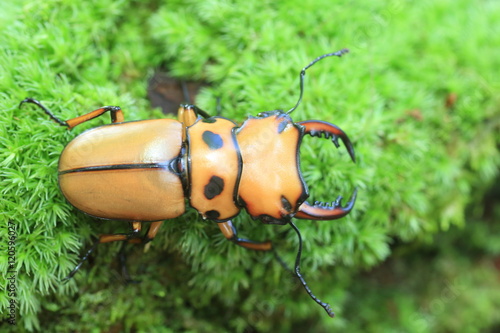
{"x": 325, "y": 306}
{"x": 303, "y": 73}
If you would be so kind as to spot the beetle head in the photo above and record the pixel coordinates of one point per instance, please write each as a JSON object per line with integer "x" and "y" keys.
{"x": 272, "y": 187}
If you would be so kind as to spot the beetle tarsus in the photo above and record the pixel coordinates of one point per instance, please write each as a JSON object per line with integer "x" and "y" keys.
{"x": 47, "y": 111}
{"x": 84, "y": 258}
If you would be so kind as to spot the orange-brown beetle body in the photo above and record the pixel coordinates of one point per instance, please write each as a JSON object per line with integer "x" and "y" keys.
{"x": 142, "y": 171}
{"x": 145, "y": 171}
{"x": 124, "y": 171}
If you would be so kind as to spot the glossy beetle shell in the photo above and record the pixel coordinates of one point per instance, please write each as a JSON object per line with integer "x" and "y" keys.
{"x": 125, "y": 171}
{"x": 271, "y": 185}
{"x": 144, "y": 171}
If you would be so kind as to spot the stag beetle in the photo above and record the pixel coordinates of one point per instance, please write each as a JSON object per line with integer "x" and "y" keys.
{"x": 143, "y": 171}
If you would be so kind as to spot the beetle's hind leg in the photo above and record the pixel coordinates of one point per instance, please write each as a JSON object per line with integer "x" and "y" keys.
{"x": 115, "y": 111}
{"x": 133, "y": 237}
{"x": 84, "y": 258}
{"x": 230, "y": 232}
{"x": 122, "y": 258}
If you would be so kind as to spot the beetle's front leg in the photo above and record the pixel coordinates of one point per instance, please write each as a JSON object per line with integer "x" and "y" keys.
{"x": 230, "y": 232}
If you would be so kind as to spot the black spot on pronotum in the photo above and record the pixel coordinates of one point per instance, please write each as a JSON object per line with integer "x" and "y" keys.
{"x": 214, "y": 141}
{"x": 212, "y": 214}
{"x": 282, "y": 126}
{"x": 214, "y": 187}
{"x": 287, "y": 206}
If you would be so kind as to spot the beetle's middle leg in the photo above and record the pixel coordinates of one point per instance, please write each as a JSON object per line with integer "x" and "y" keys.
{"x": 230, "y": 232}
{"x": 132, "y": 237}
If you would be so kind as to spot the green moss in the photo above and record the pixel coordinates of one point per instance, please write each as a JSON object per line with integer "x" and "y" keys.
{"x": 421, "y": 163}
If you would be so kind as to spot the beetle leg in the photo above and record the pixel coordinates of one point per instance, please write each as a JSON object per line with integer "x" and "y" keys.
{"x": 122, "y": 258}
{"x": 108, "y": 238}
{"x": 136, "y": 226}
{"x": 132, "y": 237}
{"x": 325, "y": 306}
{"x": 47, "y": 111}
{"x": 84, "y": 258}
{"x": 116, "y": 114}
{"x": 122, "y": 255}
{"x": 230, "y": 232}
{"x": 152, "y": 231}
{"x": 201, "y": 112}
{"x": 188, "y": 114}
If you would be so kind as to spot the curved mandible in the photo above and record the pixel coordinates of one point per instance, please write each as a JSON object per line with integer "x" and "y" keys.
{"x": 319, "y": 128}
{"x": 321, "y": 210}
{"x": 326, "y": 211}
